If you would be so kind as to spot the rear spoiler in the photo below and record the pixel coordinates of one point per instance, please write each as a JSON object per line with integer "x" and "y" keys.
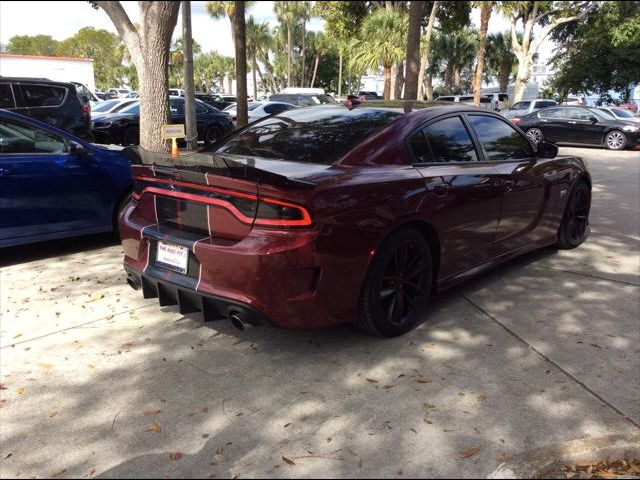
{"x": 215, "y": 164}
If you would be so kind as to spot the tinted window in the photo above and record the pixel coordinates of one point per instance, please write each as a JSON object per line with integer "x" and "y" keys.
{"x": 420, "y": 148}
{"x": 201, "y": 109}
{"x": 42, "y": 95}
{"x": 445, "y": 99}
{"x": 500, "y": 141}
{"x": 176, "y": 106}
{"x": 553, "y": 113}
{"x": 544, "y": 104}
{"x": 19, "y": 138}
{"x": 276, "y": 108}
{"x": 450, "y": 141}
{"x": 6, "y": 96}
{"x": 104, "y": 106}
{"x": 521, "y": 106}
{"x": 578, "y": 114}
{"x": 622, "y": 113}
{"x": 316, "y": 135}
{"x": 124, "y": 105}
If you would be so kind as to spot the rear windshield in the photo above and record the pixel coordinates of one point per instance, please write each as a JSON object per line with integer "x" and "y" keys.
{"x": 104, "y": 106}
{"x": 317, "y": 135}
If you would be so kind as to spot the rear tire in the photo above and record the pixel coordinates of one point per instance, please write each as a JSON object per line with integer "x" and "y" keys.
{"x": 615, "y": 140}
{"x": 574, "y": 228}
{"x": 397, "y": 286}
{"x": 131, "y": 136}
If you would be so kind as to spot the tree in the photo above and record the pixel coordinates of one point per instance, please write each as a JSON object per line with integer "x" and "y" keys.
{"x": 105, "y": 48}
{"x": 485, "y": 14}
{"x": 549, "y": 15}
{"x": 176, "y": 61}
{"x": 382, "y": 41}
{"x": 342, "y": 21}
{"x": 148, "y": 46}
{"x": 257, "y": 36}
{"x": 32, "y": 45}
{"x": 241, "y": 63}
{"x": 413, "y": 50}
{"x": 599, "y": 52}
{"x": 189, "y": 87}
{"x": 427, "y": 48}
{"x": 500, "y": 58}
{"x": 288, "y": 13}
{"x": 320, "y": 46}
{"x": 305, "y": 14}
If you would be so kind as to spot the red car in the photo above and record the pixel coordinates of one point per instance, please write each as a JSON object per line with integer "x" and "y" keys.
{"x": 331, "y": 215}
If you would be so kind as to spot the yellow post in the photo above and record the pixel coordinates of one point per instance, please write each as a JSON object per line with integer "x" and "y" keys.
{"x": 174, "y": 147}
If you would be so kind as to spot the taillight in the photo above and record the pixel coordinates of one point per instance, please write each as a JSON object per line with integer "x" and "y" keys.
{"x": 248, "y": 208}
{"x": 86, "y": 108}
{"x": 516, "y": 121}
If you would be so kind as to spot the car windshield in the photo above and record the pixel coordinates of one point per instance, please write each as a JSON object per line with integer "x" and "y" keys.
{"x": 622, "y": 113}
{"x": 521, "y": 106}
{"x": 321, "y": 135}
{"x": 104, "y": 106}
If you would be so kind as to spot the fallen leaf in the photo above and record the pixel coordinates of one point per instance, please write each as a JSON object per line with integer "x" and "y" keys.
{"x": 429, "y": 405}
{"x": 426, "y": 420}
{"x": 60, "y": 473}
{"x": 371, "y": 380}
{"x": 17, "y": 335}
{"x": 329, "y": 439}
{"x": 2, "y": 387}
{"x": 413, "y": 430}
{"x": 149, "y": 412}
{"x": 175, "y": 456}
{"x": 20, "y": 390}
{"x": 288, "y": 460}
{"x": 52, "y": 414}
{"x": 205, "y": 409}
{"x": 219, "y": 451}
{"x": 469, "y": 453}
{"x": 286, "y": 425}
{"x": 97, "y": 296}
{"x": 90, "y": 366}
{"x": 596, "y": 345}
{"x": 387, "y": 387}
{"x": 154, "y": 428}
{"x": 109, "y": 317}
{"x": 481, "y": 398}
{"x": 424, "y": 380}
{"x": 448, "y": 430}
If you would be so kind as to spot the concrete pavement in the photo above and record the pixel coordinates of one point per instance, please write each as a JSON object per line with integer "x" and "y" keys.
{"x": 98, "y": 382}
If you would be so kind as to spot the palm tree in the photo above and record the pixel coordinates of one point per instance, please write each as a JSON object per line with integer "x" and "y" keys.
{"x": 229, "y": 65}
{"x": 458, "y": 51}
{"x": 426, "y": 50}
{"x": 500, "y": 58}
{"x": 485, "y": 14}
{"x": 382, "y": 42}
{"x": 320, "y": 46}
{"x": 176, "y": 61}
{"x": 287, "y": 11}
{"x": 257, "y": 35}
{"x": 304, "y": 9}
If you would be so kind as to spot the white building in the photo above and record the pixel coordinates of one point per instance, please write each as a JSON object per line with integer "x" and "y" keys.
{"x": 61, "y": 69}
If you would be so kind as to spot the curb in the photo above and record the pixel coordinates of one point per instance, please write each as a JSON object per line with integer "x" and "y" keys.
{"x": 537, "y": 463}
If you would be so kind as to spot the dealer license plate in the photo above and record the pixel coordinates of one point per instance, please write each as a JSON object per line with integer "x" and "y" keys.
{"x": 173, "y": 257}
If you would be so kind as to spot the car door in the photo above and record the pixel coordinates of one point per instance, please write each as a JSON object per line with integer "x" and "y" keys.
{"x": 463, "y": 194}
{"x": 43, "y": 188}
{"x": 525, "y": 190}
{"x": 583, "y": 127}
{"x": 554, "y": 123}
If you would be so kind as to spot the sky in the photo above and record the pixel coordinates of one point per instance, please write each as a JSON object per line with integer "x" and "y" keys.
{"x": 61, "y": 19}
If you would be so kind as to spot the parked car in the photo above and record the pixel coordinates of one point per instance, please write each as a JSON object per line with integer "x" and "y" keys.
{"x": 216, "y": 101}
{"x": 123, "y": 127}
{"x": 118, "y": 92}
{"x": 493, "y": 101}
{"x": 111, "y": 106}
{"x": 520, "y": 109}
{"x": 259, "y": 109}
{"x": 621, "y": 114}
{"x": 328, "y": 215}
{"x": 133, "y": 95}
{"x": 54, "y": 184}
{"x": 579, "y": 126}
{"x": 630, "y": 105}
{"x": 56, "y": 103}
{"x": 303, "y": 99}
{"x": 176, "y": 92}
{"x": 365, "y": 95}
{"x": 84, "y": 90}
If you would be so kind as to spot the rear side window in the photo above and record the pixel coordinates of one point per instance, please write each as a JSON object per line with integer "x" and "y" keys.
{"x": 445, "y": 99}
{"x": 444, "y": 141}
{"x": 6, "y": 96}
{"x": 500, "y": 140}
{"x": 553, "y": 113}
{"x": 16, "y": 138}
{"x": 43, "y": 95}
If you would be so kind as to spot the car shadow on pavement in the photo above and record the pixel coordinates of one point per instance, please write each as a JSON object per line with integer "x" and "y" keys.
{"x": 55, "y": 248}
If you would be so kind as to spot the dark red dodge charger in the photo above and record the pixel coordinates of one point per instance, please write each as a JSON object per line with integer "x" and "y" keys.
{"x": 328, "y": 215}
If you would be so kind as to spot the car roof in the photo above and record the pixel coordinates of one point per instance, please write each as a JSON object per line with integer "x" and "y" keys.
{"x": 36, "y": 80}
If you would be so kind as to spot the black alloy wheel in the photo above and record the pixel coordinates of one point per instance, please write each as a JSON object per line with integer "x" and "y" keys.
{"x": 574, "y": 228}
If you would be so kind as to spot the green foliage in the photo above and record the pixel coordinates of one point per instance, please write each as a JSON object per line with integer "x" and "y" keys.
{"x": 601, "y": 52}
{"x": 342, "y": 20}
{"x": 382, "y": 40}
{"x": 32, "y": 45}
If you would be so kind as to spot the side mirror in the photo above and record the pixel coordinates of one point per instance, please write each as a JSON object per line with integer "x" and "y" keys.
{"x": 593, "y": 119}
{"x": 76, "y": 149}
{"x": 547, "y": 150}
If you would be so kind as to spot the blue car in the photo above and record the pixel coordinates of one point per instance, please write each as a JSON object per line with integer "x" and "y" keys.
{"x": 55, "y": 185}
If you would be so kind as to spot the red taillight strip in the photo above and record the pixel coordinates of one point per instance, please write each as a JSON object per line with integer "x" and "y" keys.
{"x": 305, "y": 221}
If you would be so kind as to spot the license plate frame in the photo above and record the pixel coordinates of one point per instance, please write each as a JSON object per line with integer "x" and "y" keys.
{"x": 172, "y": 257}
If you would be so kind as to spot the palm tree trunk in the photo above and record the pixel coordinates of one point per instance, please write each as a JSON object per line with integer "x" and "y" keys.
{"x": 485, "y": 14}
{"x": 262, "y": 82}
{"x": 315, "y": 69}
{"x": 241, "y": 63}
{"x": 427, "y": 48}
{"x": 413, "y": 50}
{"x": 289, "y": 54}
{"x": 387, "y": 82}
{"x": 253, "y": 71}
{"x": 304, "y": 25}
{"x": 340, "y": 75}
{"x": 505, "y": 72}
{"x": 457, "y": 77}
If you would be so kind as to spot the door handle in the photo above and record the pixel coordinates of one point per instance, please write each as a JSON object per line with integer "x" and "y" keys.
{"x": 440, "y": 190}
{"x": 4, "y": 172}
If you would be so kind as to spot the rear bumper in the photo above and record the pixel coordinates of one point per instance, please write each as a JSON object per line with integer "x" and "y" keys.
{"x": 277, "y": 277}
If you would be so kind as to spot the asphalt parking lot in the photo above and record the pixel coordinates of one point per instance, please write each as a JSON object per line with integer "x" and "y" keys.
{"x": 97, "y": 382}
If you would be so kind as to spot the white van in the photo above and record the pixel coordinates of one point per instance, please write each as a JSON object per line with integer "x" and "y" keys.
{"x": 493, "y": 101}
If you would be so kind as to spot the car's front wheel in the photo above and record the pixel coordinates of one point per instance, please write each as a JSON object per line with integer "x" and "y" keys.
{"x": 535, "y": 134}
{"x": 397, "y": 286}
{"x": 615, "y": 140}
